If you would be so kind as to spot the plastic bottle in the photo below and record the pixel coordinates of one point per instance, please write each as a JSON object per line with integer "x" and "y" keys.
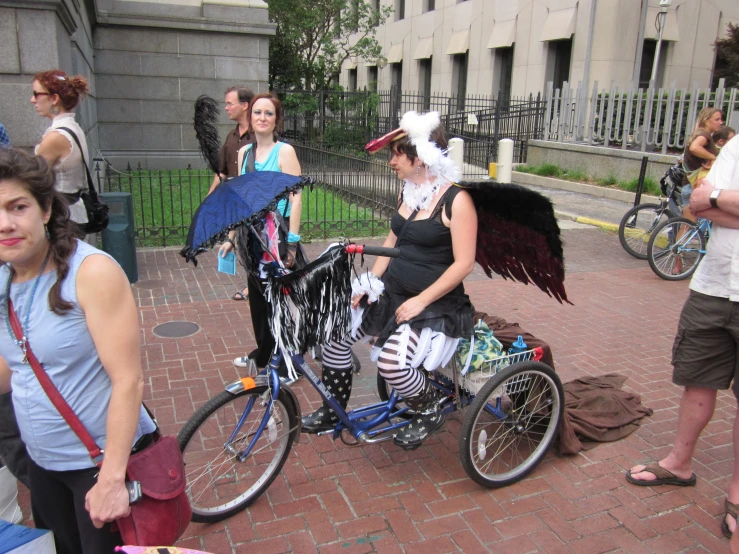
{"x": 518, "y": 346}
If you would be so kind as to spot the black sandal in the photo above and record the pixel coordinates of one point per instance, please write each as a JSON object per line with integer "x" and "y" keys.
{"x": 731, "y": 510}
{"x": 239, "y": 295}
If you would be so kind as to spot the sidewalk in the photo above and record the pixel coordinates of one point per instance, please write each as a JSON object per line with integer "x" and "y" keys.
{"x": 331, "y": 497}
{"x": 334, "y": 498}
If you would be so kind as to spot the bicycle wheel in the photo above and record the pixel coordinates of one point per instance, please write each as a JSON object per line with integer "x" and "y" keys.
{"x": 675, "y": 249}
{"x": 637, "y": 225}
{"x": 511, "y": 424}
{"x": 218, "y": 484}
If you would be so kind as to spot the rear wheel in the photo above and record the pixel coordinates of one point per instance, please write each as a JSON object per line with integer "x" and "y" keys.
{"x": 675, "y": 249}
{"x": 511, "y": 424}
{"x": 219, "y": 484}
{"x": 637, "y": 226}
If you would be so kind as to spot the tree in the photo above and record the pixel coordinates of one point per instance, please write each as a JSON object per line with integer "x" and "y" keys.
{"x": 727, "y": 57}
{"x": 314, "y": 37}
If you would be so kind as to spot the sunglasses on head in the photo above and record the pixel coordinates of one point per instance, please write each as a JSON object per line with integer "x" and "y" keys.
{"x": 36, "y": 94}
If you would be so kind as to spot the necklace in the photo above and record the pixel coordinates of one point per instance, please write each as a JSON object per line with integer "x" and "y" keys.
{"x": 23, "y": 342}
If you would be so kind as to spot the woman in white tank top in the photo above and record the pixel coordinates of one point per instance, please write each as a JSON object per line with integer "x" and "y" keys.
{"x": 55, "y": 96}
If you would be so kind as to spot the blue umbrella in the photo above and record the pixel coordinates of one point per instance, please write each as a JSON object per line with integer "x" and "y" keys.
{"x": 243, "y": 200}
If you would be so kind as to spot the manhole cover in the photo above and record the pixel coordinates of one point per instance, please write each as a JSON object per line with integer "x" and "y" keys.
{"x": 176, "y": 329}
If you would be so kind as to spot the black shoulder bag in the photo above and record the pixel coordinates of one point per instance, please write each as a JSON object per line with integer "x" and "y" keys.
{"x": 97, "y": 210}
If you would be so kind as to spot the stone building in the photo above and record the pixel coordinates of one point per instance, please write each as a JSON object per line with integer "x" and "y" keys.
{"x": 518, "y": 46}
{"x": 146, "y": 61}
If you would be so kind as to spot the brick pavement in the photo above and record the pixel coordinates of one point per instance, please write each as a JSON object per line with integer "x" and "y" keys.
{"x": 333, "y": 498}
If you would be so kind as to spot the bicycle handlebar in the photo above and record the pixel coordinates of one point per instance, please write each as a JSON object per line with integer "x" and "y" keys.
{"x": 372, "y": 250}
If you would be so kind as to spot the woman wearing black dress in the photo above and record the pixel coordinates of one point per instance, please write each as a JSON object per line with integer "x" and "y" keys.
{"x": 423, "y": 310}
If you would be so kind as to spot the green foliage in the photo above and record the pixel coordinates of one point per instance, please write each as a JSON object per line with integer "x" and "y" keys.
{"x": 727, "y": 57}
{"x": 650, "y": 186}
{"x": 609, "y": 181}
{"x": 165, "y": 201}
{"x": 577, "y": 175}
{"x": 314, "y": 37}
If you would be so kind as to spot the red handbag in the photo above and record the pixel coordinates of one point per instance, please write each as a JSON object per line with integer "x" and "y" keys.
{"x": 163, "y": 513}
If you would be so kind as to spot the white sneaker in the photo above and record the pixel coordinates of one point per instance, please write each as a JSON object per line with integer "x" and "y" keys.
{"x": 242, "y": 361}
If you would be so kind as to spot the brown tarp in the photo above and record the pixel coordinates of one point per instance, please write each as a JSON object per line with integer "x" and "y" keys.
{"x": 596, "y": 409}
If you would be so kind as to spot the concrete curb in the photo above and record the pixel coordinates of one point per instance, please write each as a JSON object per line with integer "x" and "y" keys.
{"x": 605, "y": 225}
{"x": 571, "y": 186}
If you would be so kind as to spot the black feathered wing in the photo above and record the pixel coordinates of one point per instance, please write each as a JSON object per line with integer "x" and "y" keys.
{"x": 517, "y": 236}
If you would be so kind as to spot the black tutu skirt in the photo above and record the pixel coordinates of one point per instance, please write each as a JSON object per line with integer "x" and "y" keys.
{"x": 451, "y": 314}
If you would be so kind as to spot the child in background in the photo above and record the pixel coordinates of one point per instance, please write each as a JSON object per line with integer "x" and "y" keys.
{"x": 723, "y": 135}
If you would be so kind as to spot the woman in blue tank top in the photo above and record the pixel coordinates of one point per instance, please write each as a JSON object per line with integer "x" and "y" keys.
{"x": 266, "y": 154}
{"x": 76, "y": 309}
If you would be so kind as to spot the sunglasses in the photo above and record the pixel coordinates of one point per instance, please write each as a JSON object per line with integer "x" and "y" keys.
{"x": 36, "y": 94}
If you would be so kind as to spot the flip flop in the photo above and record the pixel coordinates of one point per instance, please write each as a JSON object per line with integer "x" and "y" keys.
{"x": 731, "y": 510}
{"x": 663, "y": 477}
{"x": 240, "y": 296}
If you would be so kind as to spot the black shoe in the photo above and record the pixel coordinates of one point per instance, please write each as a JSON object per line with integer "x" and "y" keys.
{"x": 323, "y": 419}
{"x": 429, "y": 417}
{"x": 339, "y": 383}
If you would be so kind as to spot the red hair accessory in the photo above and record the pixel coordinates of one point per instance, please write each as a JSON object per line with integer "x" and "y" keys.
{"x": 380, "y": 143}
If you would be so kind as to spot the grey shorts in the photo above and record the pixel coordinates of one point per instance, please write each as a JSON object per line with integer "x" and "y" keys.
{"x": 706, "y": 346}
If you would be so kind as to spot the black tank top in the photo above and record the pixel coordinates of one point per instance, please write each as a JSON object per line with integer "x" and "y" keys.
{"x": 425, "y": 249}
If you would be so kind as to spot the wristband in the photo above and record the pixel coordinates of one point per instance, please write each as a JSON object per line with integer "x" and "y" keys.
{"x": 229, "y": 240}
{"x": 292, "y": 237}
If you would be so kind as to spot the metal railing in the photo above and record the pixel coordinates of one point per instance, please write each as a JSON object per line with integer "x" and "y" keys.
{"x": 343, "y": 122}
{"x": 351, "y": 197}
{"x": 642, "y": 119}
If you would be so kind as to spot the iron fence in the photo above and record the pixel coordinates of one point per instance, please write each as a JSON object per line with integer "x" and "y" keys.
{"x": 642, "y": 119}
{"x": 343, "y": 122}
{"x": 351, "y": 197}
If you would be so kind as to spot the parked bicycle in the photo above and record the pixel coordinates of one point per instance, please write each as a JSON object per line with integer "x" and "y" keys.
{"x": 677, "y": 246}
{"x": 638, "y": 224}
{"x": 235, "y": 445}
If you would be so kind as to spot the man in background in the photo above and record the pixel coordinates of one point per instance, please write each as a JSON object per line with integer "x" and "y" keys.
{"x": 236, "y": 104}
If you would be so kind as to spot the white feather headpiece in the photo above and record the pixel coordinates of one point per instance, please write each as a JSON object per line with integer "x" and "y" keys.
{"x": 418, "y": 128}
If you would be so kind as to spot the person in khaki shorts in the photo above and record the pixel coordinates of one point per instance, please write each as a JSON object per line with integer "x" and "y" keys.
{"x": 705, "y": 350}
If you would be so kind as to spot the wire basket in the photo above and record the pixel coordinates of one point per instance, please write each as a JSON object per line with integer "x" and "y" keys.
{"x": 473, "y": 382}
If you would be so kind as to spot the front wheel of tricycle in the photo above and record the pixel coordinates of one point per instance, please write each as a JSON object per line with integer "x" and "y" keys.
{"x": 219, "y": 484}
{"x": 511, "y": 424}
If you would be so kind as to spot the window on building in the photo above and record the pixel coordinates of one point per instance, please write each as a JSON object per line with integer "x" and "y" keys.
{"x": 354, "y": 14}
{"x": 647, "y": 62}
{"x": 372, "y": 78}
{"x": 559, "y": 56}
{"x": 721, "y": 67}
{"x": 503, "y": 72}
{"x": 399, "y": 10}
{"x": 429, "y": 5}
{"x": 459, "y": 78}
{"x": 424, "y": 83}
{"x": 352, "y": 82}
{"x": 396, "y": 70}
{"x": 375, "y": 5}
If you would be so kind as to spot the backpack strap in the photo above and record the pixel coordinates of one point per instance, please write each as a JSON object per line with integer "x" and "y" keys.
{"x": 90, "y": 186}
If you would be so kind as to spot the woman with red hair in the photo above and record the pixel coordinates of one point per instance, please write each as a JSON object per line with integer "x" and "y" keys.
{"x": 55, "y": 95}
